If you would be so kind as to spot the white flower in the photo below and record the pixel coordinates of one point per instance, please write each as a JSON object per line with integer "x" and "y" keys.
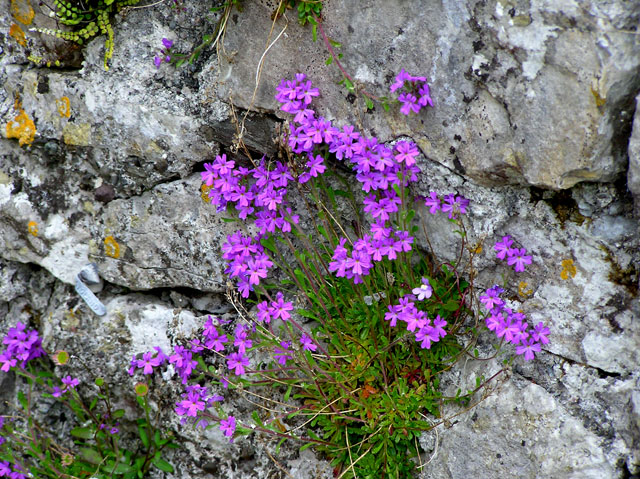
{"x": 424, "y": 291}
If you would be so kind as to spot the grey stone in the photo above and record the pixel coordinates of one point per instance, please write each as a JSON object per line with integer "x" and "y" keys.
{"x": 633, "y": 174}
{"x": 525, "y": 92}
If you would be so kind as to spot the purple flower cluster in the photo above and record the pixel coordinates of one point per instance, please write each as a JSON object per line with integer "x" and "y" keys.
{"x": 258, "y": 194}
{"x": 451, "y": 204}
{"x": 247, "y": 261}
{"x": 22, "y": 345}
{"x": 516, "y": 257}
{"x": 196, "y": 399}
{"x": 164, "y": 53}
{"x": 415, "y": 95}
{"x": 381, "y": 244}
{"x": 426, "y": 331}
{"x": 276, "y": 309}
{"x": 379, "y": 169}
{"x": 511, "y": 326}
{"x": 376, "y": 165}
{"x": 12, "y": 471}
{"x": 149, "y": 361}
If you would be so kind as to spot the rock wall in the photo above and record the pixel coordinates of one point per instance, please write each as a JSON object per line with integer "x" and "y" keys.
{"x": 533, "y": 122}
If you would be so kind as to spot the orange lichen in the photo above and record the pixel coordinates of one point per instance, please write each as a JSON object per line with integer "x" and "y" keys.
{"x": 32, "y": 227}
{"x": 17, "y": 34}
{"x": 111, "y": 247}
{"x": 64, "y": 107}
{"x": 523, "y": 289}
{"x": 22, "y": 11}
{"x": 204, "y": 193}
{"x": 568, "y": 269}
{"x": 21, "y": 127}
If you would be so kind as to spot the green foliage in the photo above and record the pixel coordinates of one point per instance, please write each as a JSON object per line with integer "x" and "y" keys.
{"x": 93, "y": 448}
{"x": 86, "y": 19}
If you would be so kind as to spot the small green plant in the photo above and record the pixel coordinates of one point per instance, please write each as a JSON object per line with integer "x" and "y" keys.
{"x": 85, "y": 19}
{"x": 95, "y": 447}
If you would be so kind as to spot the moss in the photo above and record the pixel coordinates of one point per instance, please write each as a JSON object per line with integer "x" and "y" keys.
{"x": 562, "y": 204}
{"x": 625, "y": 277}
{"x": 86, "y": 20}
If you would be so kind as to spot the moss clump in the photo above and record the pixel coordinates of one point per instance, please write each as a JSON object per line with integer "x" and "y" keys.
{"x": 87, "y": 19}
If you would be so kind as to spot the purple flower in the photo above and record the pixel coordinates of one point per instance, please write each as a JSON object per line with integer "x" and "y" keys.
{"x": 307, "y": 343}
{"x": 237, "y": 362}
{"x": 503, "y": 247}
{"x": 518, "y": 258}
{"x": 528, "y": 349}
{"x": 167, "y": 43}
{"x": 406, "y": 152}
{"x": 540, "y": 333}
{"x": 191, "y": 405}
{"x": 454, "y": 205}
{"x": 424, "y": 291}
{"x": 70, "y": 382}
{"x": 491, "y": 298}
{"x": 281, "y": 353}
{"x": 228, "y": 426}
{"x": 147, "y": 363}
{"x": 427, "y": 335}
{"x": 433, "y": 202}
{"x": 280, "y": 308}
{"x": 401, "y": 78}
{"x": 410, "y": 103}
{"x": 157, "y": 61}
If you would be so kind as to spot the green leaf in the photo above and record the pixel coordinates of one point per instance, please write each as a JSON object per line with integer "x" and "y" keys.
{"x": 288, "y": 393}
{"x": 22, "y": 399}
{"x": 280, "y": 444}
{"x": 117, "y": 414}
{"x": 142, "y": 432}
{"x": 335, "y": 44}
{"x": 329, "y": 60}
{"x": 348, "y": 85}
{"x": 256, "y": 418}
{"x": 118, "y": 468}
{"x": 90, "y": 455}
{"x": 306, "y": 314}
{"x": 314, "y": 29}
{"x": 451, "y": 305}
{"x": 268, "y": 243}
{"x": 163, "y": 465}
{"x": 82, "y": 432}
{"x": 369, "y": 103}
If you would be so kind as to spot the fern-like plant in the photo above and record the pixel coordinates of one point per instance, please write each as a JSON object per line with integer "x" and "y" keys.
{"x": 86, "y": 19}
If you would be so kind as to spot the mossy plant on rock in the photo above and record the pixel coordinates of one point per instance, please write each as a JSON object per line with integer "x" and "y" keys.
{"x": 86, "y": 20}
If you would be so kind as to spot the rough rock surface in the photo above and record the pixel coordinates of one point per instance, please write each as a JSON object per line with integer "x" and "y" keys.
{"x": 533, "y": 120}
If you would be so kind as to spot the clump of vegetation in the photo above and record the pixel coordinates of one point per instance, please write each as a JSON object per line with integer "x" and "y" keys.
{"x": 85, "y": 19}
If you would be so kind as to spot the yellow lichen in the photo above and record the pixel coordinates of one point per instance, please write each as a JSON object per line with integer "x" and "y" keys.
{"x": 600, "y": 101}
{"x": 568, "y": 269}
{"x": 17, "y": 34}
{"x": 21, "y": 127}
{"x": 77, "y": 134}
{"x": 22, "y": 11}
{"x": 32, "y": 227}
{"x": 64, "y": 107}
{"x": 524, "y": 290}
{"x": 111, "y": 247}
